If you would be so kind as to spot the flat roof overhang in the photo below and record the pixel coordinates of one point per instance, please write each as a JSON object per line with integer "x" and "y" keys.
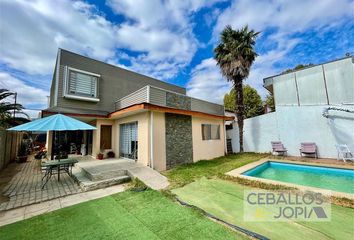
{"x": 137, "y": 108}
{"x": 146, "y": 106}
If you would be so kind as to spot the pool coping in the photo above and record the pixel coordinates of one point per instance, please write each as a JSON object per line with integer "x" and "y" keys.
{"x": 238, "y": 173}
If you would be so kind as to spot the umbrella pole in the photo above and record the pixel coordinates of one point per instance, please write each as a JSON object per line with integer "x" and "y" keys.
{"x": 59, "y": 159}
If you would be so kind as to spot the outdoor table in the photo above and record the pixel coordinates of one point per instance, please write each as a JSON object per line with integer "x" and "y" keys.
{"x": 49, "y": 166}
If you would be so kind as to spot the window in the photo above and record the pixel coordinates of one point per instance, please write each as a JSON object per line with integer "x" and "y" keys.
{"x": 81, "y": 84}
{"x": 210, "y": 132}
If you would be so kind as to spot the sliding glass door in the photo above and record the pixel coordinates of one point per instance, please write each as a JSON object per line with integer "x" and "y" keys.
{"x": 128, "y": 140}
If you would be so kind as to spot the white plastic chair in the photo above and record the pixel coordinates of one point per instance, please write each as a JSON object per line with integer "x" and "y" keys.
{"x": 344, "y": 153}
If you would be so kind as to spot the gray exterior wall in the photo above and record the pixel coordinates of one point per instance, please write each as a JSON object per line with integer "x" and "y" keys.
{"x": 207, "y": 107}
{"x": 113, "y": 84}
{"x": 179, "y": 142}
{"x": 161, "y": 97}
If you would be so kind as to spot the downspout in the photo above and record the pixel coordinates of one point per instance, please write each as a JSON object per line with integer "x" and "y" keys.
{"x": 152, "y": 139}
{"x": 225, "y": 137}
{"x": 56, "y": 90}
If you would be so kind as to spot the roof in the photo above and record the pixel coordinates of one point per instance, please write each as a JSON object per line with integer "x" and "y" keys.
{"x": 75, "y": 112}
{"x": 136, "y": 107}
{"x": 122, "y": 69}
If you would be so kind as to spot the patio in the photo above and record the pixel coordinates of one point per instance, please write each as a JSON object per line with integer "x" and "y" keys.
{"x": 21, "y": 185}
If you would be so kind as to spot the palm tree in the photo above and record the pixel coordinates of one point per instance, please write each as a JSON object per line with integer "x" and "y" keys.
{"x": 235, "y": 55}
{"x": 7, "y": 109}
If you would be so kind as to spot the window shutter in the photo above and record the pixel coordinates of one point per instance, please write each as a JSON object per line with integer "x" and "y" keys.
{"x": 82, "y": 84}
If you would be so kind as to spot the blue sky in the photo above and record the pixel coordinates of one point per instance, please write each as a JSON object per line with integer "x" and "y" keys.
{"x": 170, "y": 40}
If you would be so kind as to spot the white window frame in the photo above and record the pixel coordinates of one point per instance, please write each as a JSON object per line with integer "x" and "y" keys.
{"x": 76, "y": 97}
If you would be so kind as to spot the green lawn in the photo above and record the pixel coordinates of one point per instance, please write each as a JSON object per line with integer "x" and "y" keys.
{"x": 127, "y": 215}
{"x": 188, "y": 173}
{"x": 224, "y": 199}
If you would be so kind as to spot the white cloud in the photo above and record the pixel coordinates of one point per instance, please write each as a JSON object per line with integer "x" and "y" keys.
{"x": 284, "y": 18}
{"x": 162, "y": 30}
{"x": 159, "y": 33}
{"x": 207, "y": 83}
{"x": 26, "y": 95}
{"x": 33, "y": 114}
{"x": 31, "y": 32}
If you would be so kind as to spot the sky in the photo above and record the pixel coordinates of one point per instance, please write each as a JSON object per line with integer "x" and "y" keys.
{"x": 171, "y": 40}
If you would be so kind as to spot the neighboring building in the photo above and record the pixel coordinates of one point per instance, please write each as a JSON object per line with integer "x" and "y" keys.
{"x": 137, "y": 117}
{"x": 304, "y": 100}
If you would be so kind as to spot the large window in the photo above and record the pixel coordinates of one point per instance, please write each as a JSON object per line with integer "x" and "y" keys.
{"x": 210, "y": 131}
{"x": 82, "y": 84}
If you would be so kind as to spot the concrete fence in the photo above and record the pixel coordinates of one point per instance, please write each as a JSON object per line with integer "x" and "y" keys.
{"x": 293, "y": 125}
{"x": 9, "y": 144}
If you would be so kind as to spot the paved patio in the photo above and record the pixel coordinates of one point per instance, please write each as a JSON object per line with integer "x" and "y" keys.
{"x": 23, "y": 186}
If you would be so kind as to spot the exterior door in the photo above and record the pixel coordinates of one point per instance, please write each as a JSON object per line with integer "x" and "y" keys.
{"x": 106, "y": 137}
{"x": 128, "y": 140}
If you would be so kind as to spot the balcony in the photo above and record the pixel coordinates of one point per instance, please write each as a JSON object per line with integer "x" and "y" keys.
{"x": 165, "y": 98}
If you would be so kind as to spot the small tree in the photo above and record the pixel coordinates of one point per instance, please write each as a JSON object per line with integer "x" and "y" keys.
{"x": 252, "y": 101}
{"x": 269, "y": 102}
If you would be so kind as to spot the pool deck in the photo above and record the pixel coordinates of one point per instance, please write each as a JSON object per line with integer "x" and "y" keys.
{"x": 238, "y": 173}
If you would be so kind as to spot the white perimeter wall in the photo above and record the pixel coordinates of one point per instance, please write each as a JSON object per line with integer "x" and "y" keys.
{"x": 295, "y": 124}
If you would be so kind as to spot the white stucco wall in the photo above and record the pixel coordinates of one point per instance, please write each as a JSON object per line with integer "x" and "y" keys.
{"x": 258, "y": 133}
{"x": 295, "y": 124}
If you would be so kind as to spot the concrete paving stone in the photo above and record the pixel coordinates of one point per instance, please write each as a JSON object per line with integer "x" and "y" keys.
{"x": 73, "y": 199}
{"x": 10, "y": 220}
{"x": 41, "y": 208}
{"x": 15, "y": 213}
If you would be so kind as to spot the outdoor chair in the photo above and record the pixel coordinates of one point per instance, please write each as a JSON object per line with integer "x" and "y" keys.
{"x": 308, "y": 148}
{"x": 279, "y": 148}
{"x": 344, "y": 153}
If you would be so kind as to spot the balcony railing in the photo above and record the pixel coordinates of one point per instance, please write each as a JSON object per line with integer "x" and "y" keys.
{"x": 161, "y": 97}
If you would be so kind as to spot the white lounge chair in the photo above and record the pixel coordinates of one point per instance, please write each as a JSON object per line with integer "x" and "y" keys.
{"x": 344, "y": 152}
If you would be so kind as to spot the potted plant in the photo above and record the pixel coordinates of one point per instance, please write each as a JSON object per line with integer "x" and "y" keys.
{"x": 100, "y": 156}
{"x": 110, "y": 154}
{"x": 22, "y": 153}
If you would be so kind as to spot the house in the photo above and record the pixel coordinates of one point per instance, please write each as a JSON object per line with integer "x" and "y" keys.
{"x": 314, "y": 104}
{"x": 137, "y": 117}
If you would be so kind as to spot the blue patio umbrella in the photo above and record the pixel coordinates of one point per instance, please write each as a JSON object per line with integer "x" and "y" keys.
{"x": 57, "y": 122}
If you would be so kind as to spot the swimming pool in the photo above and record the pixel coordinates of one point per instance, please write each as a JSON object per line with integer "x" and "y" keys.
{"x": 336, "y": 179}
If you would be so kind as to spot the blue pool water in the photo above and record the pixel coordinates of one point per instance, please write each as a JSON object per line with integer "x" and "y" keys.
{"x": 336, "y": 179}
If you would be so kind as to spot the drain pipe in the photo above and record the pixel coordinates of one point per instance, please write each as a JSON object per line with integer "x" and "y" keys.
{"x": 152, "y": 139}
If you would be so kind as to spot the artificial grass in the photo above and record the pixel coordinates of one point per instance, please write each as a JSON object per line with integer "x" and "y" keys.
{"x": 127, "y": 215}
{"x": 188, "y": 173}
{"x": 224, "y": 199}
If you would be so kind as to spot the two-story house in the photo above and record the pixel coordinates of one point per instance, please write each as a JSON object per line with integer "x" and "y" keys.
{"x": 137, "y": 117}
